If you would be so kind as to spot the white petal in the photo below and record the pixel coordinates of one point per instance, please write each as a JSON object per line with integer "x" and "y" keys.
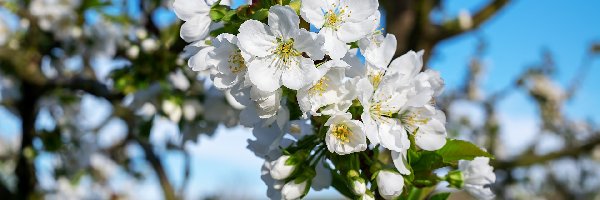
{"x": 407, "y": 65}
{"x": 366, "y": 92}
{"x": 335, "y": 48}
{"x": 283, "y": 21}
{"x": 382, "y": 55}
{"x": 198, "y": 61}
{"x": 195, "y": 29}
{"x": 361, "y": 9}
{"x": 353, "y": 31}
{"x": 430, "y": 141}
{"x": 392, "y": 137}
{"x": 370, "y": 128}
{"x": 223, "y": 81}
{"x": 256, "y": 38}
{"x": 357, "y": 68}
{"x": 312, "y": 12}
{"x": 311, "y": 43}
{"x": 400, "y": 162}
{"x": 187, "y": 9}
{"x": 298, "y": 76}
{"x": 390, "y": 184}
{"x": 264, "y": 76}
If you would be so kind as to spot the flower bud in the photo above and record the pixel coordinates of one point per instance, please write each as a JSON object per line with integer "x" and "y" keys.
{"x": 294, "y": 190}
{"x": 281, "y": 169}
{"x": 390, "y": 184}
{"x": 367, "y": 197}
{"x": 359, "y": 187}
{"x": 476, "y": 177}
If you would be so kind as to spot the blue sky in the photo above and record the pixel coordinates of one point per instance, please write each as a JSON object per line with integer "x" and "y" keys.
{"x": 516, "y": 38}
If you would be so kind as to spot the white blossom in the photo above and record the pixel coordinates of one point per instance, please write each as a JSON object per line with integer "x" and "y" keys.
{"x": 198, "y": 52}
{"x": 277, "y": 49}
{"x": 327, "y": 89}
{"x": 390, "y": 184}
{"x": 228, "y": 60}
{"x": 428, "y": 125}
{"x": 172, "y": 110}
{"x": 477, "y": 176}
{"x": 345, "y": 135}
{"x": 195, "y": 13}
{"x": 294, "y": 190}
{"x": 280, "y": 169}
{"x": 179, "y": 80}
{"x": 341, "y": 21}
{"x": 359, "y": 187}
{"x": 273, "y": 186}
{"x": 56, "y": 15}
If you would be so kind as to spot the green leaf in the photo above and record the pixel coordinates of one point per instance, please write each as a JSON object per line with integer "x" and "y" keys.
{"x": 440, "y": 196}
{"x": 427, "y": 160}
{"x": 456, "y": 150}
{"x": 260, "y": 14}
{"x": 229, "y": 15}
{"x": 338, "y": 182}
{"x": 218, "y": 12}
{"x": 414, "y": 194}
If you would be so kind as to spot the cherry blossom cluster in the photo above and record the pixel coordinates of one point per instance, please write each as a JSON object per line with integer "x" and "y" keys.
{"x": 326, "y": 106}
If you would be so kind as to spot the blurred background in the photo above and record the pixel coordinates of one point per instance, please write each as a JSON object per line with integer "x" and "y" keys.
{"x": 97, "y": 101}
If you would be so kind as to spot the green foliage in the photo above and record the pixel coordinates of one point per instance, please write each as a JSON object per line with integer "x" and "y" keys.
{"x": 260, "y": 14}
{"x": 341, "y": 185}
{"x": 456, "y": 150}
{"x": 440, "y": 196}
{"x": 217, "y": 12}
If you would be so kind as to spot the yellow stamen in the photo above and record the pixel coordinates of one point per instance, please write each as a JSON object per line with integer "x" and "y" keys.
{"x": 376, "y": 109}
{"x": 341, "y": 132}
{"x": 285, "y": 50}
{"x": 236, "y": 62}
{"x": 375, "y": 78}
{"x": 320, "y": 87}
{"x": 414, "y": 119}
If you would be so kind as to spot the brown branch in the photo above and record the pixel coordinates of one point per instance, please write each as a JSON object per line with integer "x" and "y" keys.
{"x": 452, "y": 28}
{"x": 25, "y": 169}
{"x": 582, "y": 72}
{"x": 529, "y": 159}
{"x": 152, "y": 158}
{"x": 127, "y": 115}
{"x": 89, "y": 86}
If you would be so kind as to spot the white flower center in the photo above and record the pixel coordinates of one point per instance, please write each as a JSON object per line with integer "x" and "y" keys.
{"x": 236, "y": 62}
{"x": 295, "y": 129}
{"x": 320, "y": 87}
{"x": 342, "y": 132}
{"x": 382, "y": 113}
{"x": 285, "y": 51}
{"x": 413, "y": 119}
{"x": 334, "y": 17}
{"x": 375, "y": 76}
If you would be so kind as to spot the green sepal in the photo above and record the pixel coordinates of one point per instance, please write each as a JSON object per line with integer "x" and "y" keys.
{"x": 455, "y": 178}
